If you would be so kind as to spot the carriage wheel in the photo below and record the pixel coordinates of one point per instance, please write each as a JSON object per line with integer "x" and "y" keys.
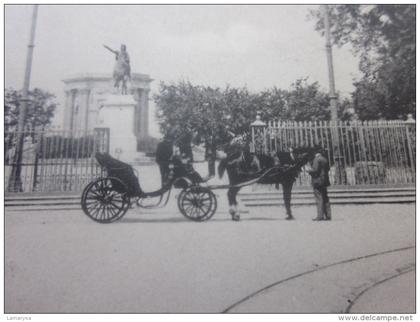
{"x": 197, "y": 203}
{"x": 102, "y": 202}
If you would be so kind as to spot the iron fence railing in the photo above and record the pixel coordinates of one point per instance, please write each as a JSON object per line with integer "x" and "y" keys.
{"x": 52, "y": 160}
{"x": 371, "y": 152}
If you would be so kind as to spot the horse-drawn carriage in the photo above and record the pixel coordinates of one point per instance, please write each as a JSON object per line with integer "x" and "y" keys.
{"x": 108, "y": 198}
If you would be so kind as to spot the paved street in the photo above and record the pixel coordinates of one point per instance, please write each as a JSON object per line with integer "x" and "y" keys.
{"x": 157, "y": 261}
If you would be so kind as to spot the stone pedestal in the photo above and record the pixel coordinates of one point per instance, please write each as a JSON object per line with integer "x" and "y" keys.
{"x": 117, "y": 114}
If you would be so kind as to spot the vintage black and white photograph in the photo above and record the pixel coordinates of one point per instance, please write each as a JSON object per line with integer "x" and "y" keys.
{"x": 210, "y": 159}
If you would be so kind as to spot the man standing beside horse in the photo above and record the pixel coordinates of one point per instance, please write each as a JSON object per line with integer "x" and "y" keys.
{"x": 320, "y": 181}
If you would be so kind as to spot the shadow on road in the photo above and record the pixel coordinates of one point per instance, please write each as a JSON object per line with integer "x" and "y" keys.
{"x": 143, "y": 220}
{"x": 183, "y": 220}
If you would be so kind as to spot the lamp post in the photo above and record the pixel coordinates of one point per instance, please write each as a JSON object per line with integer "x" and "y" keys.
{"x": 15, "y": 181}
{"x": 258, "y": 132}
{"x": 328, "y": 47}
{"x": 340, "y": 171}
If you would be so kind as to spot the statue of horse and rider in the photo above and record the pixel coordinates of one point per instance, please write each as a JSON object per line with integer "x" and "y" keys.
{"x": 122, "y": 69}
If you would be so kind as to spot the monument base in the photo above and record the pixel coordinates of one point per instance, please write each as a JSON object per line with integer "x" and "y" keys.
{"x": 117, "y": 114}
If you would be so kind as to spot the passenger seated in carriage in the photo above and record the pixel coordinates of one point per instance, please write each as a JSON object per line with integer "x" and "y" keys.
{"x": 178, "y": 155}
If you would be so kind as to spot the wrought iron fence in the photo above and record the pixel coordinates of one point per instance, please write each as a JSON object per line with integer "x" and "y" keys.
{"x": 371, "y": 152}
{"x": 52, "y": 160}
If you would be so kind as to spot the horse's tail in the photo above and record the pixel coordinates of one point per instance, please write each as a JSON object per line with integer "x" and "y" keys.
{"x": 222, "y": 167}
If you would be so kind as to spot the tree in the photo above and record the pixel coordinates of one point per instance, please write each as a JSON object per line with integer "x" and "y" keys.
{"x": 306, "y": 102}
{"x": 209, "y": 116}
{"x": 205, "y": 115}
{"x": 384, "y": 38}
{"x": 303, "y": 101}
{"x": 40, "y": 110}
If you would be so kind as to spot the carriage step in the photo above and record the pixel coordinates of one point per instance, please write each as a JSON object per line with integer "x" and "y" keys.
{"x": 36, "y": 202}
{"x": 41, "y": 198}
{"x": 333, "y": 195}
{"x": 62, "y": 201}
{"x": 337, "y": 196}
{"x": 43, "y": 203}
{"x": 297, "y": 191}
{"x": 60, "y": 207}
{"x": 337, "y": 201}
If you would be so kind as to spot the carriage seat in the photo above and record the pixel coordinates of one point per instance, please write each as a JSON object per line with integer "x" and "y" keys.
{"x": 122, "y": 171}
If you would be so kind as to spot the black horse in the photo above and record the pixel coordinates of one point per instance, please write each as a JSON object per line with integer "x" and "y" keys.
{"x": 281, "y": 168}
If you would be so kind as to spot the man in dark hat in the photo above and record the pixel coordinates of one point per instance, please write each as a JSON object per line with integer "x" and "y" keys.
{"x": 320, "y": 181}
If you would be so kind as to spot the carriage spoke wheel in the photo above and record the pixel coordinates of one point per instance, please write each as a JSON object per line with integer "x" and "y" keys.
{"x": 197, "y": 203}
{"x": 105, "y": 200}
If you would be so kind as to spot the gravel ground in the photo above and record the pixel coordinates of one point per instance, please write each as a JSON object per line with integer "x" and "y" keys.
{"x": 157, "y": 261}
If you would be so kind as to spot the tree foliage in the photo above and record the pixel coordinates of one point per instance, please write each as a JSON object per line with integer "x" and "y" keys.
{"x": 209, "y": 115}
{"x": 302, "y": 102}
{"x": 205, "y": 114}
{"x": 384, "y": 38}
{"x": 40, "y": 109}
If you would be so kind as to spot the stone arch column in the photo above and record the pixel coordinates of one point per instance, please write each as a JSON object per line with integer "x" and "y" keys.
{"x": 84, "y": 108}
{"x": 141, "y": 115}
{"x": 144, "y": 113}
{"x": 69, "y": 112}
{"x": 137, "y": 111}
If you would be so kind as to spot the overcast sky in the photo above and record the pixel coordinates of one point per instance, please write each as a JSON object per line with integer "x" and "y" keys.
{"x": 258, "y": 46}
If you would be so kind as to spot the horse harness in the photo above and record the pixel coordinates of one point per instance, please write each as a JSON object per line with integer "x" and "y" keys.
{"x": 241, "y": 162}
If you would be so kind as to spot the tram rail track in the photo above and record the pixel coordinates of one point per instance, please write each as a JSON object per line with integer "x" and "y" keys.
{"x": 324, "y": 267}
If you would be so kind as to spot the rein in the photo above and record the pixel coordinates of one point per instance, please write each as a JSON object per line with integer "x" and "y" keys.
{"x": 246, "y": 183}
